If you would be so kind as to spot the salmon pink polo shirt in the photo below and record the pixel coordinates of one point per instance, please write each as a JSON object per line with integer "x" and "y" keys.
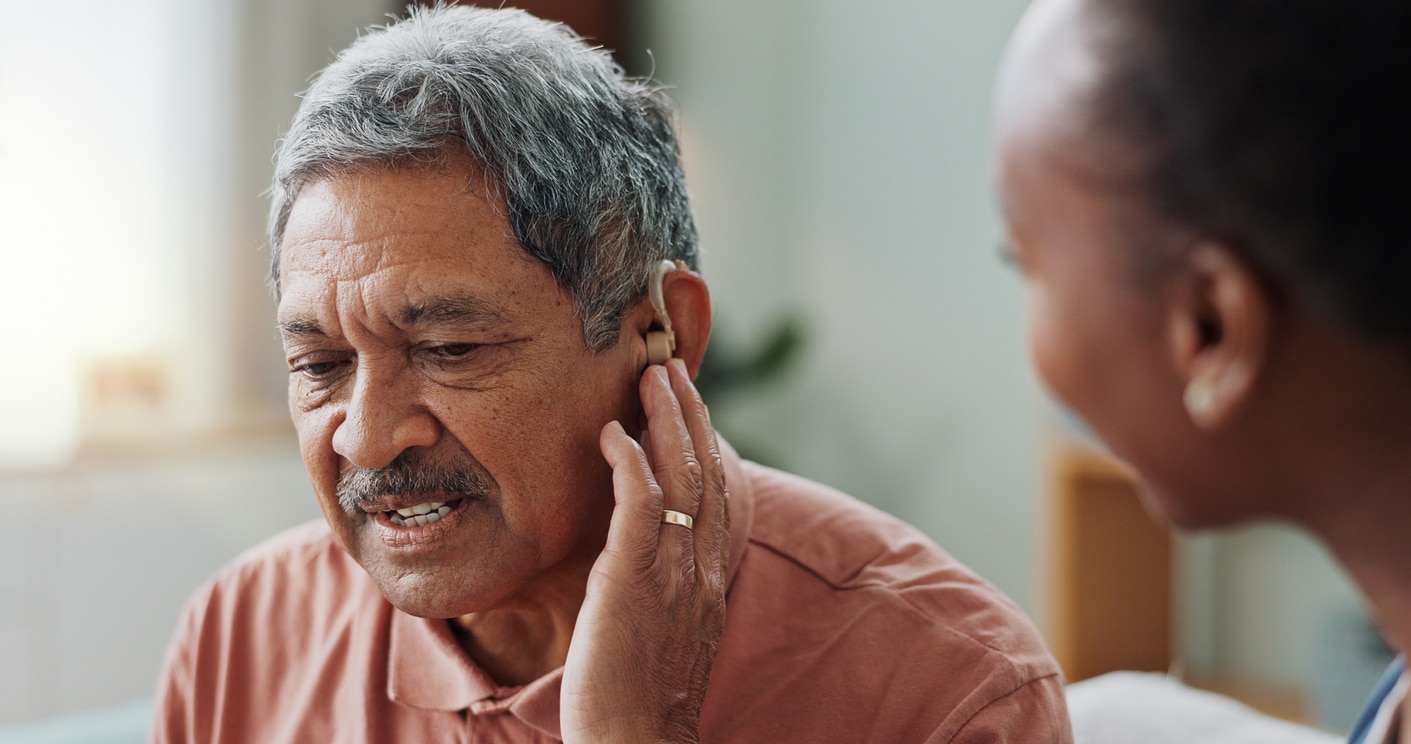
{"x": 843, "y": 624}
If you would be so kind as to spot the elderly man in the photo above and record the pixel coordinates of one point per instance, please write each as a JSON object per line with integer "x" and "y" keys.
{"x": 481, "y": 240}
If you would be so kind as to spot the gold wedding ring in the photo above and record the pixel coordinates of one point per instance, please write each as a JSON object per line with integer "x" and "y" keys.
{"x": 675, "y": 517}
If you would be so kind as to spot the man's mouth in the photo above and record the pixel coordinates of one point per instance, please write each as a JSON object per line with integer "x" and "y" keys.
{"x": 419, "y": 525}
{"x": 420, "y": 515}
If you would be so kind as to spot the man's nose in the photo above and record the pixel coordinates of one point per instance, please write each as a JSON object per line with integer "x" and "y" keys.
{"x": 385, "y": 417}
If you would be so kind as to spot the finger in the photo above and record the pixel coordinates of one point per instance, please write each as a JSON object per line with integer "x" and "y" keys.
{"x": 677, "y": 472}
{"x": 713, "y": 514}
{"x": 677, "y": 468}
{"x": 636, "y": 517}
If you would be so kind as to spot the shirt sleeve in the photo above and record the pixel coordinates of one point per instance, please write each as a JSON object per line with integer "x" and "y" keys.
{"x": 1034, "y": 713}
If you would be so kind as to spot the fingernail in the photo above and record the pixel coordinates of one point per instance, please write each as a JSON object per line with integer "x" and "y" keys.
{"x": 616, "y": 427}
{"x": 661, "y": 375}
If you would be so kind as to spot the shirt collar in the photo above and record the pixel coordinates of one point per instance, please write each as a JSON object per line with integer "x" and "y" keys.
{"x": 427, "y": 668}
{"x": 1376, "y": 721}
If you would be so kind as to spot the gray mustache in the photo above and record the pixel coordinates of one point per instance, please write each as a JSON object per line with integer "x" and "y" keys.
{"x": 406, "y": 477}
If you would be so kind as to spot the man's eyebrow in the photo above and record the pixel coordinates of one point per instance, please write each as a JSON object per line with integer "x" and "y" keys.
{"x": 300, "y": 328}
{"x": 463, "y": 310}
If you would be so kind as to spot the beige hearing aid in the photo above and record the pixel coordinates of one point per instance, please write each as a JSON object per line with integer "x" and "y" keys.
{"x": 661, "y": 345}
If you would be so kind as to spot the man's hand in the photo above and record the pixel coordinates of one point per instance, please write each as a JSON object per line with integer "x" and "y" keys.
{"x": 641, "y": 653}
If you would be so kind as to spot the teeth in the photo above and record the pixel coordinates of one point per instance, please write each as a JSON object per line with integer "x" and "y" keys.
{"x": 421, "y": 514}
{"x": 419, "y": 509}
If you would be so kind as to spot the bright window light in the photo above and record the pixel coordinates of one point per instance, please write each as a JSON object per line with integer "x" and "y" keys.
{"x": 83, "y": 104}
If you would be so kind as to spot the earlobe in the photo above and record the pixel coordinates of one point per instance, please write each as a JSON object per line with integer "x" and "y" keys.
{"x": 1220, "y": 334}
{"x": 1199, "y": 399}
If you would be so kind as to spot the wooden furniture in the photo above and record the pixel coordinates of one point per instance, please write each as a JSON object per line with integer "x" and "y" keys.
{"x": 1111, "y": 575}
{"x": 1112, "y": 578}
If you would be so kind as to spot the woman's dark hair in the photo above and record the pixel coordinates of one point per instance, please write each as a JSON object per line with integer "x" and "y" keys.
{"x": 1282, "y": 127}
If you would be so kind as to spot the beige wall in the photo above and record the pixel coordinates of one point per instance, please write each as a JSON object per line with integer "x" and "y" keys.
{"x": 99, "y": 554}
{"x": 838, "y": 157}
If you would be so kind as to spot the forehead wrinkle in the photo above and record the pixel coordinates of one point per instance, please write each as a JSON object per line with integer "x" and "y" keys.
{"x": 361, "y": 304}
{"x": 343, "y": 259}
{"x": 381, "y": 302}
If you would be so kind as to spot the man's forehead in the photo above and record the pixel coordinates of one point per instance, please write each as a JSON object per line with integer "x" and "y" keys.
{"x": 417, "y": 245}
{"x": 390, "y": 217}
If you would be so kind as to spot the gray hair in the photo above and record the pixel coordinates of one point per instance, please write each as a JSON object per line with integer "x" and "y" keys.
{"x": 584, "y": 159}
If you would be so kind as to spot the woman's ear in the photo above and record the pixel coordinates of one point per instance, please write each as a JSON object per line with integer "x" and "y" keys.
{"x": 1220, "y": 331}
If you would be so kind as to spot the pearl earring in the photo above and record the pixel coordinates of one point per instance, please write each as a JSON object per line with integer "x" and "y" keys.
{"x": 1199, "y": 399}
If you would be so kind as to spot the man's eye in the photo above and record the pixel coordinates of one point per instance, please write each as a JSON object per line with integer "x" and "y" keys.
{"x": 452, "y": 351}
{"x": 315, "y": 369}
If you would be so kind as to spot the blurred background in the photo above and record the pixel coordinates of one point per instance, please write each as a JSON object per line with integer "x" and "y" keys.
{"x": 868, "y": 337}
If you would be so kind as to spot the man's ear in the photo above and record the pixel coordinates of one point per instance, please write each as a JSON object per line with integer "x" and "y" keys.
{"x": 687, "y": 300}
{"x": 1220, "y": 331}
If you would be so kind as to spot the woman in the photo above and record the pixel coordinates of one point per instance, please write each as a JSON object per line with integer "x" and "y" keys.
{"x": 1207, "y": 200}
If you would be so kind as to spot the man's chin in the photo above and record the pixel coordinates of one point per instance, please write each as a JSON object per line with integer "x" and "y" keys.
{"x": 434, "y": 594}
{"x": 441, "y": 579}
